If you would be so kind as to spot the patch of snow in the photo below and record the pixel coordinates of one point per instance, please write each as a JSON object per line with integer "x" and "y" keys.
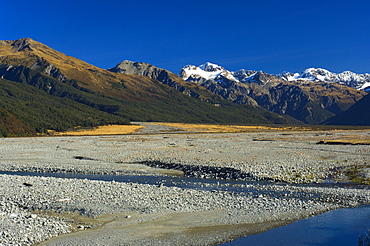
{"x": 365, "y": 87}
{"x": 191, "y": 70}
{"x": 207, "y": 70}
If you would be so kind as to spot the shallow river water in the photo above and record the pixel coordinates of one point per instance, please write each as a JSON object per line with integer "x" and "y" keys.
{"x": 339, "y": 227}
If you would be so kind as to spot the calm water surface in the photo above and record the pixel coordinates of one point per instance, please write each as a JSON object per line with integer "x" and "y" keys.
{"x": 338, "y": 227}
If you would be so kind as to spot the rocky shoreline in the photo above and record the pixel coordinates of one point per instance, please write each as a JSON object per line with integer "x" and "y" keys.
{"x": 34, "y": 209}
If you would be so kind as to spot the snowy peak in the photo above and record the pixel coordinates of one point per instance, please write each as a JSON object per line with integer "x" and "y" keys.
{"x": 207, "y": 71}
{"x": 311, "y": 74}
{"x": 317, "y": 74}
{"x": 211, "y": 67}
{"x": 348, "y": 78}
{"x": 194, "y": 71}
{"x": 211, "y": 71}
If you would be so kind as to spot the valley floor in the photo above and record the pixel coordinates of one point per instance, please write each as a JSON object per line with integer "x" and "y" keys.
{"x": 90, "y": 212}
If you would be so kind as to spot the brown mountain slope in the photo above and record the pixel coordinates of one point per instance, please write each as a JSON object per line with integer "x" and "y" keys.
{"x": 167, "y": 78}
{"x": 38, "y": 56}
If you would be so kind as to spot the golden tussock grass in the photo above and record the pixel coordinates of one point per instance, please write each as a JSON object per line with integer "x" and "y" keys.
{"x": 213, "y": 128}
{"x": 101, "y": 130}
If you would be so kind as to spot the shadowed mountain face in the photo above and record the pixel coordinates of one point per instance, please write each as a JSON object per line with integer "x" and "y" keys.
{"x": 358, "y": 114}
{"x": 47, "y": 89}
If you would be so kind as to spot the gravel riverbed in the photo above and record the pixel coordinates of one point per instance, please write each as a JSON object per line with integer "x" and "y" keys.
{"x": 35, "y": 209}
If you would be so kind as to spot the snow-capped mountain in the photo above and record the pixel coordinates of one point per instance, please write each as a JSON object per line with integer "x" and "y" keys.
{"x": 207, "y": 71}
{"x": 309, "y": 97}
{"x": 218, "y": 73}
{"x": 348, "y": 78}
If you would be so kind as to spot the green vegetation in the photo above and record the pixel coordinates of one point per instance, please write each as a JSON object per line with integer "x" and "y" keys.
{"x": 41, "y": 111}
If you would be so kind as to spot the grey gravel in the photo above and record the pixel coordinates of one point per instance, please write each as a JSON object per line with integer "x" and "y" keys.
{"x": 20, "y": 226}
{"x": 33, "y": 209}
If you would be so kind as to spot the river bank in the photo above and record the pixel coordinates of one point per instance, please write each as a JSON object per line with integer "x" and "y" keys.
{"x": 141, "y": 214}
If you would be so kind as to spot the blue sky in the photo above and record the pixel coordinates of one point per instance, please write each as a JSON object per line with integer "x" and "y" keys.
{"x": 272, "y": 36}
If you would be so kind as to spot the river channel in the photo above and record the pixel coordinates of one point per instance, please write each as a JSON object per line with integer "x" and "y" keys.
{"x": 235, "y": 186}
{"x": 339, "y": 227}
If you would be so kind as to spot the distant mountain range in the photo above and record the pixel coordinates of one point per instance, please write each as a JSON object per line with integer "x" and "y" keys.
{"x": 41, "y": 89}
{"x": 311, "y": 97}
{"x": 347, "y": 78}
{"x": 216, "y": 72}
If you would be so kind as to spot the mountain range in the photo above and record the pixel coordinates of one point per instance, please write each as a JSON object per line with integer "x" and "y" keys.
{"x": 311, "y": 97}
{"x": 348, "y": 78}
{"x": 213, "y": 71}
{"x": 44, "y": 89}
